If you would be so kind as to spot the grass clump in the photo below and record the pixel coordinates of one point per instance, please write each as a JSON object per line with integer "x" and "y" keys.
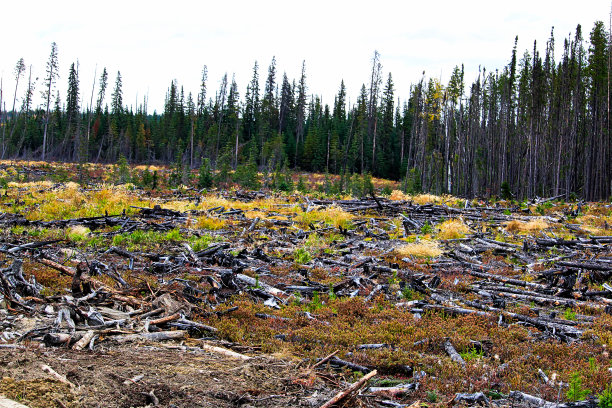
{"x": 453, "y": 229}
{"x": 78, "y": 233}
{"x": 210, "y": 223}
{"x": 533, "y": 226}
{"x": 333, "y": 216}
{"x": 421, "y": 249}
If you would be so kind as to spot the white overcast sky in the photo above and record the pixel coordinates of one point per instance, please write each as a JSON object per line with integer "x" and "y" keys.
{"x": 153, "y": 42}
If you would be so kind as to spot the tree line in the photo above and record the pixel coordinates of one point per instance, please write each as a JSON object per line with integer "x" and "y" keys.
{"x": 537, "y": 126}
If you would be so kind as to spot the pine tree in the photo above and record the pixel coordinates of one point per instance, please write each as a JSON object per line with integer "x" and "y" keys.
{"x": 73, "y": 110}
{"x": 51, "y": 77}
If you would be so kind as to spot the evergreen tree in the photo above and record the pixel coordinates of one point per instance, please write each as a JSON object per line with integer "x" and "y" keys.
{"x": 51, "y": 77}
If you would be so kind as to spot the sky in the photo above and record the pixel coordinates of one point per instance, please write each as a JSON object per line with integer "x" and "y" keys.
{"x": 154, "y": 42}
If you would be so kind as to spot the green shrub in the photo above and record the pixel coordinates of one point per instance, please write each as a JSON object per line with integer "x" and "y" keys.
{"x": 576, "y": 391}
{"x": 605, "y": 397}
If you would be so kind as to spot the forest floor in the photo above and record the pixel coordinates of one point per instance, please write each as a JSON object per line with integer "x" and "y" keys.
{"x": 122, "y": 296}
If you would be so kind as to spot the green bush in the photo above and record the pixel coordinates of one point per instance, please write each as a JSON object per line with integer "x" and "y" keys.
{"x": 576, "y": 391}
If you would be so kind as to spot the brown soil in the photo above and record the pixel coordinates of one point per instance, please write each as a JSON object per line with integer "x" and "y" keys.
{"x": 177, "y": 377}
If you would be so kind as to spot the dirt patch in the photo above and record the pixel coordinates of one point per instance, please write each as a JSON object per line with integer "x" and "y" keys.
{"x": 145, "y": 376}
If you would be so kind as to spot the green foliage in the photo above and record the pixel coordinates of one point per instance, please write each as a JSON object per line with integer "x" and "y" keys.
{"x": 315, "y": 302}
{"x": 393, "y": 280}
{"x": 505, "y": 192}
{"x": 283, "y": 180}
{"x": 302, "y": 256}
{"x": 605, "y": 397}
{"x": 173, "y": 235}
{"x": 223, "y": 169}
{"x": 472, "y": 353}
{"x": 330, "y": 293}
{"x": 427, "y": 228}
{"x": 205, "y": 175}
{"x": 368, "y": 186}
{"x": 200, "y": 243}
{"x": 301, "y": 185}
{"x": 412, "y": 182}
{"x": 148, "y": 179}
{"x": 176, "y": 175}
{"x": 387, "y": 190}
{"x": 122, "y": 174}
{"x": 408, "y": 293}
{"x": 576, "y": 391}
{"x": 432, "y": 396}
{"x": 569, "y": 314}
{"x": 246, "y": 175}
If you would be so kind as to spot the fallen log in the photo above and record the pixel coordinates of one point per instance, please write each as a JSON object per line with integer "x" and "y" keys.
{"x": 452, "y": 353}
{"x": 157, "y": 336}
{"x": 224, "y": 351}
{"x": 353, "y": 388}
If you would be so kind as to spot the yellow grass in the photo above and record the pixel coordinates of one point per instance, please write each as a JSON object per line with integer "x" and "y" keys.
{"x": 532, "y": 226}
{"x": 421, "y": 199}
{"x": 422, "y": 249}
{"x": 151, "y": 168}
{"x": 397, "y": 195}
{"x": 210, "y": 223}
{"x": 32, "y": 184}
{"x": 452, "y": 229}
{"x": 595, "y": 225}
{"x": 69, "y": 201}
{"x": 332, "y": 215}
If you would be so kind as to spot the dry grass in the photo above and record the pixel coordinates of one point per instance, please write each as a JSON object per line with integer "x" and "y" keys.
{"x": 421, "y": 249}
{"x": 532, "y": 226}
{"x": 595, "y": 224}
{"x": 31, "y": 184}
{"x": 397, "y": 195}
{"x": 452, "y": 229}
{"x": 422, "y": 199}
{"x": 210, "y": 223}
{"x": 332, "y": 215}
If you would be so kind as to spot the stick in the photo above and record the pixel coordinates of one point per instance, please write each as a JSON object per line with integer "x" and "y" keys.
{"x": 224, "y": 351}
{"x": 166, "y": 319}
{"x": 84, "y": 342}
{"x": 351, "y": 389}
{"x": 58, "y": 376}
{"x": 324, "y": 359}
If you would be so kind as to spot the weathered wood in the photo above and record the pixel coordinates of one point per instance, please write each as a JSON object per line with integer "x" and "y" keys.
{"x": 452, "y": 353}
{"x": 224, "y": 352}
{"x": 157, "y": 336}
{"x": 84, "y": 341}
{"x": 353, "y": 388}
{"x": 8, "y": 403}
